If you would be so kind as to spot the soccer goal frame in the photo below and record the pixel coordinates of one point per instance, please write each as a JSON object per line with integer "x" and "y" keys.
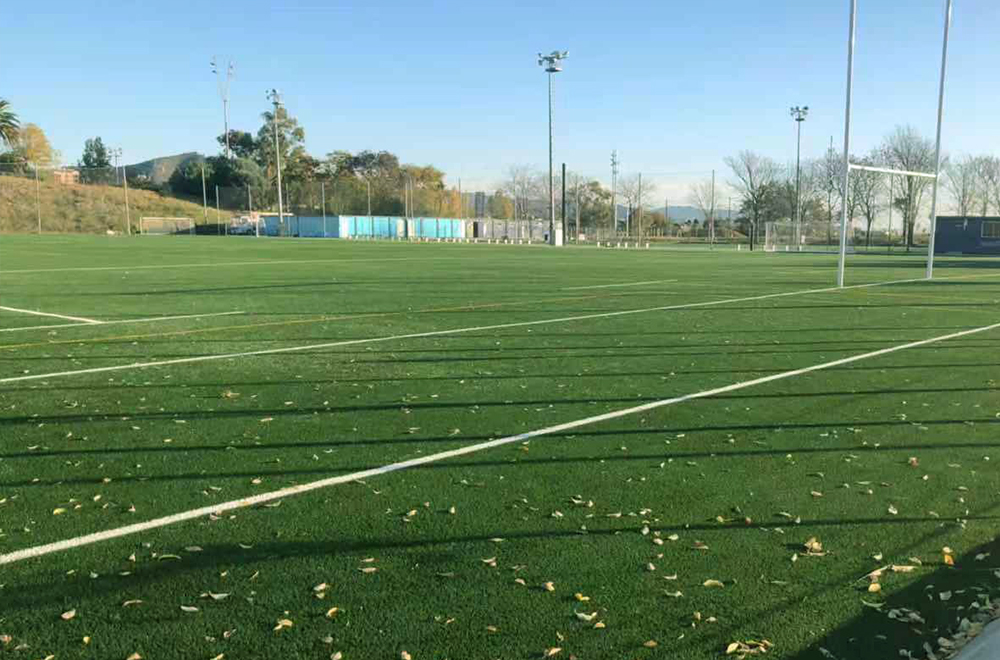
{"x": 146, "y": 219}
{"x": 848, "y": 165}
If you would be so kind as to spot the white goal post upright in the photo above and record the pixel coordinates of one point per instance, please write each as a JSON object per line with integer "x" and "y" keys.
{"x": 848, "y": 166}
{"x": 157, "y": 226}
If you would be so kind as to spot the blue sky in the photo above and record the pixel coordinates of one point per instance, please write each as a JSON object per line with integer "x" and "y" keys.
{"x": 674, "y": 86}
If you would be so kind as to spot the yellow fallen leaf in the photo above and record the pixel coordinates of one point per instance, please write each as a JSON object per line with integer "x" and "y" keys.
{"x": 332, "y": 612}
{"x": 134, "y": 656}
{"x": 555, "y": 650}
{"x": 874, "y": 588}
{"x": 58, "y": 511}
{"x": 66, "y": 616}
{"x": 583, "y": 616}
{"x": 732, "y": 648}
{"x": 549, "y": 586}
{"x": 86, "y": 639}
{"x": 712, "y": 583}
{"x": 580, "y": 597}
{"x": 283, "y": 623}
{"x": 599, "y": 625}
{"x": 405, "y": 656}
{"x": 650, "y": 644}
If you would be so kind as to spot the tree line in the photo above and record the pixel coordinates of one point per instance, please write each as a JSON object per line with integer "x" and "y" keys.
{"x": 969, "y": 185}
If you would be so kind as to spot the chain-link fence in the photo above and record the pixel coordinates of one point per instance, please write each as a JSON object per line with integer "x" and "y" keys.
{"x": 91, "y": 200}
{"x": 824, "y": 236}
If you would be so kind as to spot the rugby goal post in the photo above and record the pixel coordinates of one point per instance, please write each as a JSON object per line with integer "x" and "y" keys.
{"x": 156, "y": 226}
{"x": 848, "y": 165}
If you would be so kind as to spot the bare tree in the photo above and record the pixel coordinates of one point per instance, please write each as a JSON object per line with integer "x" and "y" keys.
{"x": 700, "y": 195}
{"x": 989, "y": 183}
{"x": 629, "y": 189}
{"x": 831, "y": 182}
{"x": 754, "y": 178}
{"x": 962, "y": 181}
{"x": 866, "y": 193}
{"x": 906, "y": 149}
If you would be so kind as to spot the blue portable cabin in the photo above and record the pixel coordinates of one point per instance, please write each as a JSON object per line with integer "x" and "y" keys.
{"x": 967, "y": 235}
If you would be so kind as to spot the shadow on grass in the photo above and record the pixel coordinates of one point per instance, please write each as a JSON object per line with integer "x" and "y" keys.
{"x": 54, "y": 588}
{"x": 189, "y": 385}
{"x": 510, "y": 461}
{"x": 285, "y": 411}
{"x": 872, "y": 635}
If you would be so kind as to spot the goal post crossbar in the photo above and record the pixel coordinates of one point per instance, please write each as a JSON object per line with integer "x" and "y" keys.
{"x": 143, "y": 220}
{"x": 890, "y": 170}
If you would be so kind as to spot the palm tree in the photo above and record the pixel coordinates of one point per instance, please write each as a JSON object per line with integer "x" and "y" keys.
{"x": 9, "y": 124}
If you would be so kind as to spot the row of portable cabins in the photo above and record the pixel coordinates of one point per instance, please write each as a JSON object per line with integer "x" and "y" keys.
{"x": 361, "y": 226}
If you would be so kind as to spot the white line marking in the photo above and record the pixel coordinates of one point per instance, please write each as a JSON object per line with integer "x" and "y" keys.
{"x": 432, "y": 333}
{"x": 121, "y": 321}
{"x": 608, "y": 286}
{"x": 282, "y": 493}
{"x": 57, "y": 316}
{"x": 262, "y": 262}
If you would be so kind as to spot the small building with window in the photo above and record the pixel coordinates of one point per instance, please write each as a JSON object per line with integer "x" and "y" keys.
{"x": 967, "y": 235}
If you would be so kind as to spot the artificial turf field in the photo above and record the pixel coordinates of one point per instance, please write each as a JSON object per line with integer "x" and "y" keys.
{"x": 483, "y": 555}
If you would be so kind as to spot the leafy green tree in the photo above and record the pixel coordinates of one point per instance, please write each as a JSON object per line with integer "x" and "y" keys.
{"x": 95, "y": 163}
{"x": 186, "y": 180}
{"x": 95, "y": 154}
{"x": 241, "y": 143}
{"x": 9, "y": 124}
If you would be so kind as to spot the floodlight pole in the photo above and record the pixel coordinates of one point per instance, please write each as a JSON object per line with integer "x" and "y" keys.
{"x": 224, "y": 94}
{"x": 851, "y": 35}
{"x": 614, "y": 191}
{"x": 711, "y": 226}
{"x": 275, "y": 98}
{"x": 937, "y": 146}
{"x": 799, "y": 114}
{"x": 38, "y": 200}
{"x": 128, "y": 216}
{"x": 204, "y": 196}
{"x": 551, "y": 64}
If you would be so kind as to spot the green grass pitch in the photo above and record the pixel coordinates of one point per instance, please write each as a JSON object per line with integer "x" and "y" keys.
{"x": 591, "y": 543}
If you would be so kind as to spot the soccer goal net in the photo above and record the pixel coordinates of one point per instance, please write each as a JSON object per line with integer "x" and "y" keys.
{"x": 807, "y": 236}
{"x": 165, "y": 226}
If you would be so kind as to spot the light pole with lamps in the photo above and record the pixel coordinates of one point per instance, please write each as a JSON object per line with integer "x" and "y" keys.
{"x": 275, "y": 97}
{"x": 551, "y": 64}
{"x": 799, "y": 114}
{"x": 224, "y": 95}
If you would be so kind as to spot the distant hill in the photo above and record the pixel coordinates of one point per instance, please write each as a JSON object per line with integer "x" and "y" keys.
{"x": 159, "y": 169}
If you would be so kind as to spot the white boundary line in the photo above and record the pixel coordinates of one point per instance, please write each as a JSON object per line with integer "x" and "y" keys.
{"x": 435, "y": 333}
{"x": 609, "y": 286}
{"x": 262, "y": 262}
{"x": 122, "y": 321}
{"x": 281, "y": 493}
{"x": 57, "y": 316}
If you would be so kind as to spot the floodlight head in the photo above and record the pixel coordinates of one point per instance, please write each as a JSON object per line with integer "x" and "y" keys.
{"x": 551, "y": 61}
{"x": 799, "y": 113}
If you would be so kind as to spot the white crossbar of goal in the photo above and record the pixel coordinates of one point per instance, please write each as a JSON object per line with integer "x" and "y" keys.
{"x": 157, "y": 226}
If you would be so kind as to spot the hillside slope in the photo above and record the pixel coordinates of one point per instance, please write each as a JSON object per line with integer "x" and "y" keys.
{"x": 82, "y": 208}
{"x": 159, "y": 169}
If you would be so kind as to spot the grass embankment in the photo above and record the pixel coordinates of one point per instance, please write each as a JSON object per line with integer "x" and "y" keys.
{"x": 81, "y": 208}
